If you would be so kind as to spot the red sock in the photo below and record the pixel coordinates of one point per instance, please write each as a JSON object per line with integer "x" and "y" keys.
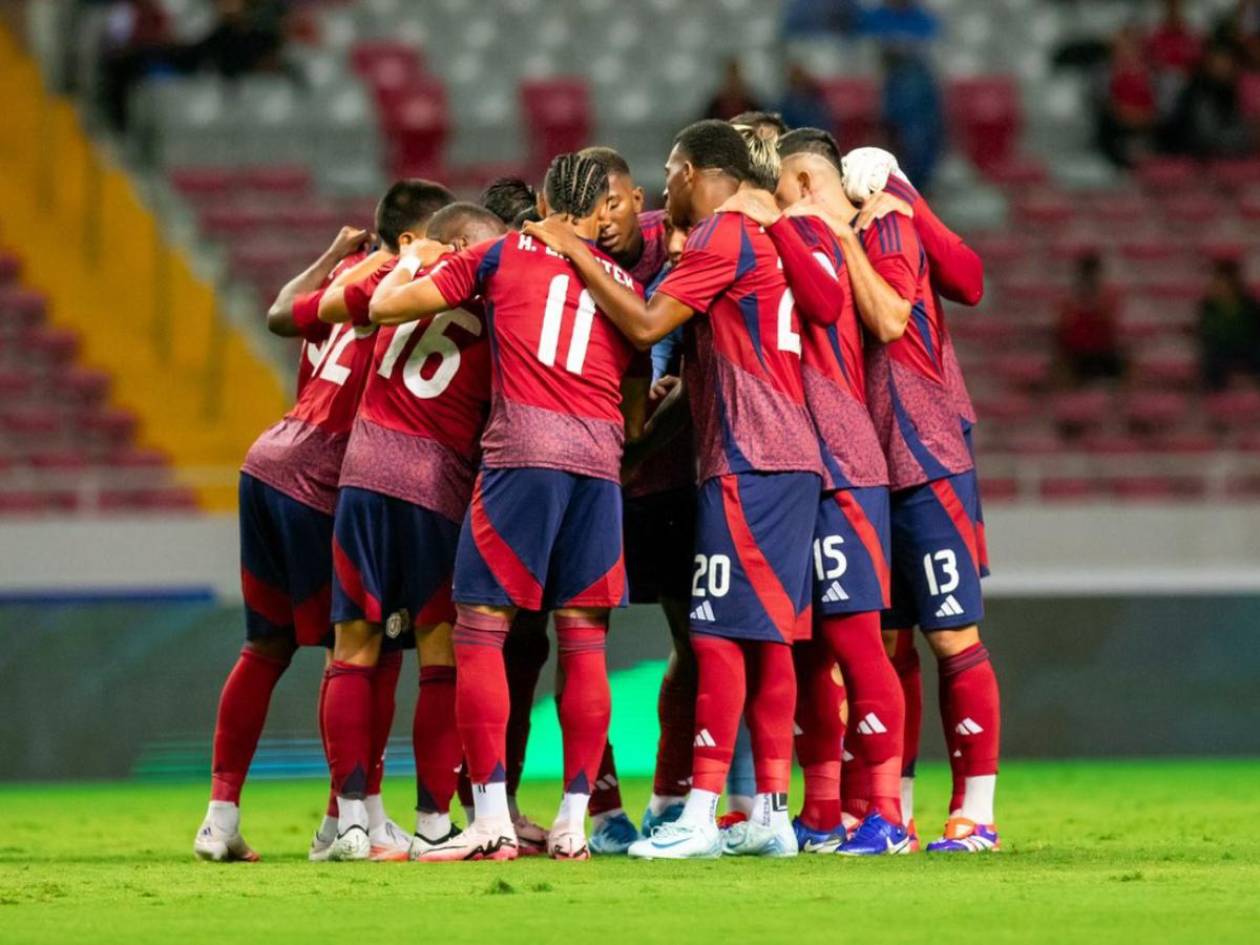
{"x": 719, "y": 705}
{"x": 820, "y": 727}
{"x": 584, "y": 703}
{"x": 481, "y": 693}
{"x": 876, "y": 706}
{"x": 607, "y": 793}
{"x": 331, "y": 809}
{"x": 435, "y": 740}
{"x": 525, "y": 653}
{"x": 384, "y": 695}
{"x": 464, "y": 789}
{"x": 676, "y": 710}
{"x": 906, "y": 663}
{"x": 242, "y": 712}
{"x": 771, "y": 702}
{"x": 855, "y": 785}
{"x": 971, "y": 713}
{"x": 347, "y": 714}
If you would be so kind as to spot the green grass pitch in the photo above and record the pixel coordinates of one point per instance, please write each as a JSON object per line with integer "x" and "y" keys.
{"x": 1133, "y": 852}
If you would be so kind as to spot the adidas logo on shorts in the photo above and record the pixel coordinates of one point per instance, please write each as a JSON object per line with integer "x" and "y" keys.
{"x": 834, "y": 594}
{"x": 951, "y": 608}
{"x": 704, "y": 613}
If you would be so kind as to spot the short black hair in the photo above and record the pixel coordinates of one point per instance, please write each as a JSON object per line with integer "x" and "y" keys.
{"x": 811, "y": 141}
{"x": 575, "y": 184}
{"x": 528, "y": 215}
{"x": 611, "y": 160}
{"x": 757, "y": 119}
{"x": 715, "y": 144}
{"x": 506, "y": 197}
{"x": 408, "y": 205}
{"x": 463, "y": 219}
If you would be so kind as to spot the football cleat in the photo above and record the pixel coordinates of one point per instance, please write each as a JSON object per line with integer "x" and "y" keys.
{"x": 322, "y": 842}
{"x": 351, "y": 844}
{"x": 965, "y": 836}
{"x": 667, "y": 816}
{"x": 421, "y": 844}
{"x": 730, "y": 819}
{"x": 914, "y": 837}
{"x": 390, "y": 843}
{"x": 531, "y": 838}
{"x": 219, "y": 846}
{"x": 614, "y": 835}
{"x": 567, "y": 842}
{"x": 809, "y": 840}
{"x": 481, "y": 840}
{"x": 679, "y": 841}
{"x": 749, "y": 838}
{"x": 876, "y": 836}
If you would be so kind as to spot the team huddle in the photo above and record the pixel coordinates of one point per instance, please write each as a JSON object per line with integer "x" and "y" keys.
{"x": 745, "y": 408}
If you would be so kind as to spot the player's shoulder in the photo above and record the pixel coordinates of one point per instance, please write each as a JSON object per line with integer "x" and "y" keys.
{"x": 346, "y": 263}
{"x": 652, "y": 223}
{"x": 902, "y": 189}
{"x": 719, "y": 231}
{"x": 892, "y": 234}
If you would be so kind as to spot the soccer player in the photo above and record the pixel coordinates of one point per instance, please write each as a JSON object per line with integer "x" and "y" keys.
{"x": 970, "y": 708}
{"x": 851, "y": 546}
{"x": 509, "y": 197}
{"x": 405, "y": 485}
{"x": 285, "y": 564}
{"x": 758, "y": 493}
{"x": 544, "y": 527}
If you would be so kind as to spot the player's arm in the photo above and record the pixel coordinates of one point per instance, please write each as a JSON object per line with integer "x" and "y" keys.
{"x": 809, "y": 272}
{"x": 402, "y": 298}
{"x": 280, "y": 317}
{"x": 667, "y": 420}
{"x": 336, "y": 306}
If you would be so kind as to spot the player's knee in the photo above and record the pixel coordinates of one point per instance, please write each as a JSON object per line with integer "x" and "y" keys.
{"x": 278, "y": 648}
{"x": 357, "y": 642}
{"x": 891, "y": 637}
{"x": 434, "y": 646}
{"x": 950, "y": 642}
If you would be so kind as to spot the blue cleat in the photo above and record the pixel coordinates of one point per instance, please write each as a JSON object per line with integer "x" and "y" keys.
{"x": 667, "y": 816}
{"x": 875, "y": 836}
{"x": 965, "y": 836}
{"x": 614, "y": 835}
{"x": 748, "y": 838}
{"x": 817, "y": 841}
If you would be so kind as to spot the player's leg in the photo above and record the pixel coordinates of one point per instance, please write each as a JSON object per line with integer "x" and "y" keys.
{"x": 741, "y": 779}
{"x": 525, "y": 653}
{"x": 434, "y": 737}
{"x": 820, "y": 726}
{"x": 771, "y": 704}
{"x": 901, "y": 649}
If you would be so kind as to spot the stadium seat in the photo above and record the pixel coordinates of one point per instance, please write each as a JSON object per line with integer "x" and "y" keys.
{"x": 986, "y": 116}
{"x": 1168, "y": 173}
{"x": 417, "y": 124}
{"x": 1234, "y": 408}
{"x": 558, "y": 118}
{"x": 1155, "y": 410}
{"x": 1064, "y": 488}
{"x": 1080, "y": 410}
{"x": 1158, "y": 488}
{"x": 854, "y": 105}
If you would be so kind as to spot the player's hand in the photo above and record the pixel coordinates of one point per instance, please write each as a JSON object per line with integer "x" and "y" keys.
{"x": 555, "y": 233}
{"x": 668, "y": 390}
{"x": 811, "y": 206}
{"x": 879, "y": 206}
{"x": 427, "y": 252}
{"x": 348, "y": 240}
{"x": 363, "y": 268}
{"x": 664, "y": 385}
{"x": 753, "y": 203}
{"x": 864, "y": 172}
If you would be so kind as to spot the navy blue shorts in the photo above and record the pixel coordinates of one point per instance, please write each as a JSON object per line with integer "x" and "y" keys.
{"x": 851, "y": 552}
{"x": 541, "y": 539}
{"x": 939, "y": 555}
{"x": 751, "y": 576}
{"x": 286, "y": 566}
{"x": 392, "y": 563}
{"x": 660, "y": 534}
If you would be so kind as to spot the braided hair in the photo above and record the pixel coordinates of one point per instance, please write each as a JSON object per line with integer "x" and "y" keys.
{"x": 575, "y": 184}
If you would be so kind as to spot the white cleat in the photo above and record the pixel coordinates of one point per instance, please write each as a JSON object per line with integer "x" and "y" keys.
{"x": 219, "y": 837}
{"x": 531, "y": 838}
{"x": 567, "y": 841}
{"x": 749, "y": 838}
{"x": 679, "y": 841}
{"x": 322, "y": 842}
{"x": 390, "y": 843}
{"x": 352, "y": 843}
{"x": 420, "y": 844}
{"x": 480, "y": 840}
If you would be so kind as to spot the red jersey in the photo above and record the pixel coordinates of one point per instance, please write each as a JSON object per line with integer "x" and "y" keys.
{"x": 914, "y": 409}
{"x": 424, "y": 405}
{"x": 833, "y": 368}
{"x": 301, "y": 455}
{"x": 556, "y": 359}
{"x": 743, "y": 352}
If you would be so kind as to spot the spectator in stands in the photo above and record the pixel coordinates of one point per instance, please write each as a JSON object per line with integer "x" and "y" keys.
{"x": 1088, "y": 334}
{"x": 807, "y": 18}
{"x": 1173, "y": 49}
{"x": 136, "y": 41}
{"x": 733, "y": 95}
{"x": 899, "y": 22}
{"x": 1240, "y": 31}
{"x": 247, "y": 37}
{"x": 912, "y": 112}
{"x": 1208, "y": 121}
{"x": 1129, "y": 116}
{"x": 1229, "y": 328}
{"x": 803, "y": 104}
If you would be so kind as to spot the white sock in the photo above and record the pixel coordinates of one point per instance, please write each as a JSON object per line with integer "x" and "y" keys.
{"x": 490, "y": 801}
{"x": 978, "y": 798}
{"x": 225, "y": 816}
{"x": 351, "y": 813}
{"x": 512, "y": 808}
{"x": 700, "y": 809}
{"x": 770, "y": 810}
{"x": 658, "y": 803}
{"x": 432, "y": 825}
{"x": 907, "y": 800}
{"x": 597, "y": 819}
{"x": 739, "y": 804}
{"x": 573, "y": 809}
{"x": 375, "y": 811}
{"x": 327, "y": 829}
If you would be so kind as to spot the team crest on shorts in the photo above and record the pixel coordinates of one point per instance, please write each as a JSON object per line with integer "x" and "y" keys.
{"x": 396, "y": 624}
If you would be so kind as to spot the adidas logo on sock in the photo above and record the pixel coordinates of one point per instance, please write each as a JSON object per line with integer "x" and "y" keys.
{"x": 797, "y": 730}
{"x": 951, "y": 608}
{"x": 968, "y": 727}
{"x": 834, "y": 594}
{"x": 606, "y": 783}
{"x": 704, "y": 613}
{"x": 871, "y": 725}
{"x": 704, "y": 739}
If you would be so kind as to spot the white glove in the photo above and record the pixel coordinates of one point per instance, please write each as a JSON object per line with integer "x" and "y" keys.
{"x": 864, "y": 172}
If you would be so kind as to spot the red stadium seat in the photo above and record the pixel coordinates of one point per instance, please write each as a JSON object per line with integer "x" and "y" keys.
{"x": 1078, "y": 410}
{"x": 1023, "y": 368}
{"x": 1186, "y": 442}
{"x": 854, "y": 105}
{"x": 1158, "y": 487}
{"x": 10, "y": 268}
{"x": 1162, "y": 174}
{"x": 1234, "y": 408}
{"x": 1153, "y": 410}
{"x": 1235, "y": 174}
{"x": 86, "y": 385}
{"x": 1249, "y": 95}
{"x": 387, "y": 62}
{"x": 999, "y": 489}
{"x": 987, "y": 117}
{"x": 1063, "y": 488}
{"x": 203, "y": 184}
{"x": 557, "y": 116}
{"x": 281, "y": 180}
{"x": 1017, "y": 172}
{"x": 418, "y": 123}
